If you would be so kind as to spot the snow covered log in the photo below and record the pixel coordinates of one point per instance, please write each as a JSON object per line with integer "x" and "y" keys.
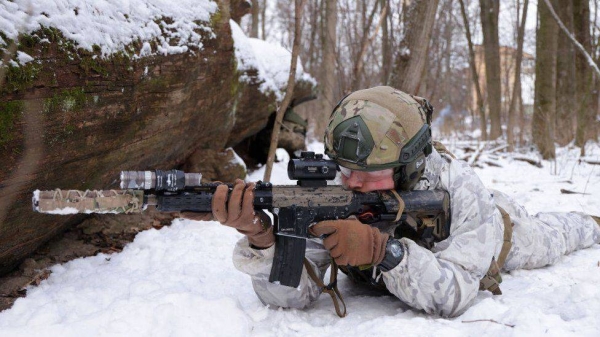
{"x": 93, "y": 90}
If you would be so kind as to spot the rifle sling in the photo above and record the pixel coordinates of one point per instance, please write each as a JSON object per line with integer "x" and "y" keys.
{"x": 492, "y": 279}
{"x": 331, "y": 288}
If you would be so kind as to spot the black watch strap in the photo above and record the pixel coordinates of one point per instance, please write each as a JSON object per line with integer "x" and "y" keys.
{"x": 394, "y": 253}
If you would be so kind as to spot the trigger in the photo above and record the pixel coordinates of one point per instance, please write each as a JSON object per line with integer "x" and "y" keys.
{"x": 366, "y": 217}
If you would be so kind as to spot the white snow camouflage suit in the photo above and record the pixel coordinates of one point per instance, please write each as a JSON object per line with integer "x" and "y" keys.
{"x": 445, "y": 279}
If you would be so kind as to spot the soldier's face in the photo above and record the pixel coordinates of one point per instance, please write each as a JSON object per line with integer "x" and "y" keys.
{"x": 368, "y": 181}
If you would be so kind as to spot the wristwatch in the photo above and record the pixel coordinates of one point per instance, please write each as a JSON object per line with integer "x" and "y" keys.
{"x": 394, "y": 252}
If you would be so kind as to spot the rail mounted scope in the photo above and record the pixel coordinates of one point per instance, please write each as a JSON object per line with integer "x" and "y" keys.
{"x": 312, "y": 170}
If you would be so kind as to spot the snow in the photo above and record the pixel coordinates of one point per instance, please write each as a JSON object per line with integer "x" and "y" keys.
{"x": 23, "y": 57}
{"x": 113, "y": 24}
{"x": 236, "y": 160}
{"x": 271, "y": 60}
{"x": 180, "y": 281}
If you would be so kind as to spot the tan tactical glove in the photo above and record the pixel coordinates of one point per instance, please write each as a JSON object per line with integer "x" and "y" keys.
{"x": 351, "y": 242}
{"x": 239, "y": 213}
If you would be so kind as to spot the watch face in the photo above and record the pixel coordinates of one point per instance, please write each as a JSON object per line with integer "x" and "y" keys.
{"x": 395, "y": 249}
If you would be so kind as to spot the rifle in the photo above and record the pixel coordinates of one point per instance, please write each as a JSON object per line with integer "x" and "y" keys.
{"x": 294, "y": 207}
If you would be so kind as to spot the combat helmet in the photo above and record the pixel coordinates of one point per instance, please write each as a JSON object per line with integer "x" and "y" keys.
{"x": 380, "y": 128}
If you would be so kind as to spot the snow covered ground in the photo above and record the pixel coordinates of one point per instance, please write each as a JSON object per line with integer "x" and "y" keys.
{"x": 180, "y": 281}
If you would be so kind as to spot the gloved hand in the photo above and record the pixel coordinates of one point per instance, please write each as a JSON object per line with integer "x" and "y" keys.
{"x": 239, "y": 213}
{"x": 351, "y": 242}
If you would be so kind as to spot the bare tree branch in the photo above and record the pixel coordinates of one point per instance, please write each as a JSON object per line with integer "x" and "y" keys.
{"x": 289, "y": 92}
{"x": 473, "y": 66}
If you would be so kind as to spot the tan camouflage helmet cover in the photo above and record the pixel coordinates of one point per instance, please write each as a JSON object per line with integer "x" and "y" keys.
{"x": 384, "y": 119}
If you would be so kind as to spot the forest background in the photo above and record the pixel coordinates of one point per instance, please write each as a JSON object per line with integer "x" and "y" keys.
{"x": 490, "y": 68}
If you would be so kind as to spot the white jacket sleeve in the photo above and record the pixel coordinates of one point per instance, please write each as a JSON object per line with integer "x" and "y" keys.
{"x": 257, "y": 264}
{"x": 446, "y": 279}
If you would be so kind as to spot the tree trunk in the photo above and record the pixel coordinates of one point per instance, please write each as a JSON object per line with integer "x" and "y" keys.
{"x": 491, "y": 45}
{"x": 516, "y": 92}
{"x": 314, "y": 49}
{"x": 289, "y": 91}
{"x": 255, "y": 19}
{"x": 263, "y": 14}
{"x": 412, "y": 52}
{"x": 386, "y": 56}
{"x": 582, "y": 50}
{"x": 474, "y": 75}
{"x": 327, "y": 73}
{"x": 545, "y": 83}
{"x": 83, "y": 118}
{"x": 584, "y": 83}
{"x": 565, "y": 78}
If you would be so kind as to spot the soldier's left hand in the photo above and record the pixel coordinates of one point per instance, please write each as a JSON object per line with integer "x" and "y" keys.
{"x": 351, "y": 242}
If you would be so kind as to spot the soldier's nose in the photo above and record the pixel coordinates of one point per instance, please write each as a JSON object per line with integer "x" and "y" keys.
{"x": 353, "y": 182}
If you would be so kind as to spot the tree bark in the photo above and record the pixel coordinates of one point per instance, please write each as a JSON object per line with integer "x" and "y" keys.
{"x": 565, "y": 78}
{"x": 255, "y": 19}
{"x": 491, "y": 45}
{"x": 83, "y": 118}
{"x": 474, "y": 75}
{"x": 386, "y": 58}
{"x": 580, "y": 48}
{"x": 327, "y": 73}
{"x": 263, "y": 15}
{"x": 516, "y": 92}
{"x": 289, "y": 92}
{"x": 545, "y": 83}
{"x": 584, "y": 83}
{"x": 412, "y": 52}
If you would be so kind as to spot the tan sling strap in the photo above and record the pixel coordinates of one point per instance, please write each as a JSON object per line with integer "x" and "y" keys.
{"x": 441, "y": 149}
{"x": 492, "y": 279}
{"x": 331, "y": 288}
{"x": 508, "y": 230}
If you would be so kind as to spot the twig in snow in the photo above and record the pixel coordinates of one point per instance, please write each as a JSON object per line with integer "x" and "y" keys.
{"x": 588, "y": 179}
{"x": 489, "y": 320}
{"x": 589, "y": 161}
{"x": 492, "y": 162}
{"x": 531, "y": 161}
{"x": 564, "y": 191}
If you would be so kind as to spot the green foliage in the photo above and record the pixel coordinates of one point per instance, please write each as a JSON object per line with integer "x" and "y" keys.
{"x": 89, "y": 64}
{"x": 20, "y": 78}
{"x": 66, "y": 101}
{"x": 9, "y": 112}
{"x": 216, "y": 18}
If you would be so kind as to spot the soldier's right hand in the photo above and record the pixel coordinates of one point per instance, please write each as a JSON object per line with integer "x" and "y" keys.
{"x": 239, "y": 213}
